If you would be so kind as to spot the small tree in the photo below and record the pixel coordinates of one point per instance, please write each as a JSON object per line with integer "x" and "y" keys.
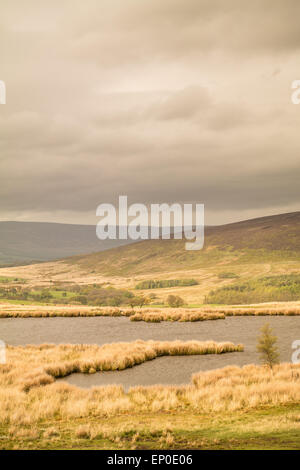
{"x": 143, "y": 301}
{"x": 175, "y": 301}
{"x": 267, "y": 346}
{"x": 171, "y": 299}
{"x": 152, "y": 296}
{"x": 134, "y": 302}
{"x": 81, "y": 298}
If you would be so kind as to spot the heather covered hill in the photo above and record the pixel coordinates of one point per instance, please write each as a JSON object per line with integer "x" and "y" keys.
{"x": 268, "y": 239}
{"x": 277, "y": 232}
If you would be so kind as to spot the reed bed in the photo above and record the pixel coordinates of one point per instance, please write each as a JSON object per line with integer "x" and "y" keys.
{"x": 260, "y": 311}
{"x": 154, "y": 315}
{"x": 117, "y": 356}
{"x": 176, "y": 314}
{"x": 29, "y": 393}
{"x": 44, "y": 311}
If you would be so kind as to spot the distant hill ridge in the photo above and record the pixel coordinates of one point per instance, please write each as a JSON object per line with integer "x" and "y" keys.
{"x": 27, "y": 242}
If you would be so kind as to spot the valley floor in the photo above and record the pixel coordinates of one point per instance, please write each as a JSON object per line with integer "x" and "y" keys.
{"x": 209, "y": 276}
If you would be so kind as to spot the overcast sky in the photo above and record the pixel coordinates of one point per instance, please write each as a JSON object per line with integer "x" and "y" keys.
{"x": 160, "y": 100}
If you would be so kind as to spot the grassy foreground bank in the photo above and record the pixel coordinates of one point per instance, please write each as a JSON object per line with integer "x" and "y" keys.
{"x": 233, "y": 407}
{"x": 268, "y": 427}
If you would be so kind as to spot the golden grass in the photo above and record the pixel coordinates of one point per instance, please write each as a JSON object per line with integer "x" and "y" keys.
{"x": 43, "y": 311}
{"x": 68, "y": 359}
{"x": 29, "y": 393}
{"x": 176, "y": 314}
{"x": 155, "y": 315}
{"x": 136, "y": 314}
{"x": 219, "y": 408}
{"x": 279, "y": 309}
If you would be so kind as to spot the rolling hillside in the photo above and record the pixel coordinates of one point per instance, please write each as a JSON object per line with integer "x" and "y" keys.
{"x": 274, "y": 238}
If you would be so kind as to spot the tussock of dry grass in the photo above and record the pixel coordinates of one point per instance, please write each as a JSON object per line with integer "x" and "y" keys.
{"x": 176, "y": 314}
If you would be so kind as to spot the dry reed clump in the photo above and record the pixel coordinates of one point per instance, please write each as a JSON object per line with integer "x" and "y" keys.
{"x": 227, "y": 389}
{"x": 23, "y": 433}
{"x": 51, "y": 432}
{"x": 260, "y": 311}
{"x": 83, "y": 432}
{"x": 176, "y": 314}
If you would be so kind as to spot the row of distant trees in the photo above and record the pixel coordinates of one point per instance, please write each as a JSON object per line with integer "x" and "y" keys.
{"x": 86, "y": 295}
{"x": 285, "y": 287}
{"x": 159, "y": 284}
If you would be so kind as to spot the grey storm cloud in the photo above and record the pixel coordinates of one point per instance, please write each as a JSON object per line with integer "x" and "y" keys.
{"x": 185, "y": 101}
